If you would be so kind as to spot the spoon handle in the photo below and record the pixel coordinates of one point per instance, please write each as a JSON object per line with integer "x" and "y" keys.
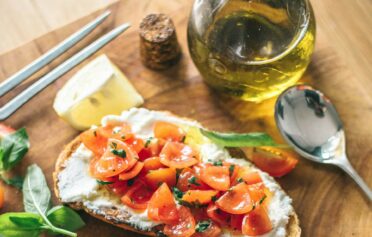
{"x": 348, "y": 168}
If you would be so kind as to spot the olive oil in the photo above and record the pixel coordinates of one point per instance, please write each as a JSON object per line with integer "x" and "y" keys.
{"x": 252, "y": 51}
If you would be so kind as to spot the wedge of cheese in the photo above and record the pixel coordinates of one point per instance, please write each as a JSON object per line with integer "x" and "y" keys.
{"x": 98, "y": 89}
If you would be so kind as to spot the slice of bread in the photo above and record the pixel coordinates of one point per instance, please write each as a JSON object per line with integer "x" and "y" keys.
{"x": 117, "y": 219}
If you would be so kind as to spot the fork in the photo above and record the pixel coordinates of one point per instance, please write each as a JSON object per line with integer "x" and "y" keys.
{"x": 22, "y": 98}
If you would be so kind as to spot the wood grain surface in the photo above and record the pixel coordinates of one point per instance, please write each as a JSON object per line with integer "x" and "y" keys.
{"x": 327, "y": 200}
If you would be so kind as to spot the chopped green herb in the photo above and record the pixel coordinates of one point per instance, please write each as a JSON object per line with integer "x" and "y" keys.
{"x": 202, "y": 226}
{"x": 178, "y": 194}
{"x": 103, "y": 182}
{"x": 121, "y": 153}
{"x": 192, "y": 180}
{"x": 240, "y": 180}
{"x": 262, "y": 199}
{"x": 231, "y": 169}
{"x": 123, "y": 137}
{"x": 113, "y": 145}
{"x": 217, "y": 163}
{"x": 116, "y": 131}
{"x": 214, "y": 198}
{"x": 130, "y": 182}
{"x": 148, "y": 141}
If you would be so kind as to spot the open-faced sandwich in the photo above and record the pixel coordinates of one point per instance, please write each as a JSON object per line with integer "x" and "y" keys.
{"x": 155, "y": 173}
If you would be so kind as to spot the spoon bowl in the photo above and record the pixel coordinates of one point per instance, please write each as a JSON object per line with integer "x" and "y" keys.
{"x": 309, "y": 122}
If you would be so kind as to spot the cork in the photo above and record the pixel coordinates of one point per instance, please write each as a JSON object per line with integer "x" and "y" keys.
{"x": 158, "y": 45}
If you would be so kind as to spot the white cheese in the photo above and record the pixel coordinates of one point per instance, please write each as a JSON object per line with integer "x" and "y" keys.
{"x": 76, "y": 185}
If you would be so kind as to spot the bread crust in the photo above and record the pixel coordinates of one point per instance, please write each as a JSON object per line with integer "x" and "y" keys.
{"x": 110, "y": 216}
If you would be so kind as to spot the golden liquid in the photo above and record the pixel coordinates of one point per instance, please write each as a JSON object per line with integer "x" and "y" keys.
{"x": 244, "y": 52}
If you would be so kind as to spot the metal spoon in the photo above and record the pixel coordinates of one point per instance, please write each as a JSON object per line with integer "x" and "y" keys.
{"x": 310, "y": 124}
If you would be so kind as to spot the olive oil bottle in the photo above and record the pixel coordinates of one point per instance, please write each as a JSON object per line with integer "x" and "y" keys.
{"x": 252, "y": 49}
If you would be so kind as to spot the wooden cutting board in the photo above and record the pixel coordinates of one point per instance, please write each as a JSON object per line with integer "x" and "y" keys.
{"x": 327, "y": 201}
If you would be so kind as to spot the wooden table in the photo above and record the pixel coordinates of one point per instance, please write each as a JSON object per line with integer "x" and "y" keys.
{"x": 327, "y": 201}
{"x": 347, "y": 26}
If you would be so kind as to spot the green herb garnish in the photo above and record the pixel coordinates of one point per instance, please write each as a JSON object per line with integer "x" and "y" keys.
{"x": 113, "y": 145}
{"x": 231, "y": 169}
{"x": 148, "y": 141}
{"x": 214, "y": 198}
{"x": 240, "y": 180}
{"x": 202, "y": 226}
{"x": 130, "y": 182}
{"x": 193, "y": 181}
{"x": 239, "y": 139}
{"x": 121, "y": 153}
{"x": 217, "y": 163}
{"x": 178, "y": 194}
{"x": 103, "y": 182}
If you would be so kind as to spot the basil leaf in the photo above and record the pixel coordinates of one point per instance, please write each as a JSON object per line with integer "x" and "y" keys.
{"x": 36, "y": 194}
{"x": 14, "y": 146}
{"x": 20, "y": 224}
{"x": 239, "y": 139}
{"x": 16, "y": 181}
{"x": 26, "y": 222}
{"x": 66, "y": 218}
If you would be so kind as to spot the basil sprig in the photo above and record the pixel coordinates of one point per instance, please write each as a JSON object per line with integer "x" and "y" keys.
{"x": 38, "y": 216}
{"x": 239, "y": 139}
{"x": 13, "y": 147}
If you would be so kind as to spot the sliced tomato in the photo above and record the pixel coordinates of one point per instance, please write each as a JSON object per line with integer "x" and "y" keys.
{"x": 117, "y": 158}
{"x": 136, "y": 143}
{"x": 137, "y": 196}
{"x": 183, "y": 227}
{"x": 217, "y": 177}
{"x": 256, "y": 222}
{"x": 259, "y": 194}
{"x": 217, "y": 215}
{"x": 120, "y": 131}
{"x": 213, "y": 230}
{"x": 236, "y": 223}
{"x": 277, "y": 162}
{"x": 136, "y": 169}
{"x": 233, "y": 170}
{"x": 168, "y": 131}
{"x": 94, "y": 141}
{"x": 162, "y": 206}
{"x": 187, "y": 180}
{"x": 252, "y": 178}
{"x": 236, "y": 200}
{"x": 199, "y": 196}
{"x": 118, "y": 187}
{"x": 5, "y": 130}
{"x": 152, "y": 147}
{"x": 154, "y": 178}
{"x": 178, "y": 155}
{"x": 1, "y": 196}
{"x": 152, "y": 163}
